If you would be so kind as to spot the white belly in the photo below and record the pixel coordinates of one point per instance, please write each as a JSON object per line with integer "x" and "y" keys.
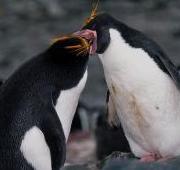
{"x": 146, "y": 99}
{"x": 35, "y": 149}
{"x": 150, "y": 125}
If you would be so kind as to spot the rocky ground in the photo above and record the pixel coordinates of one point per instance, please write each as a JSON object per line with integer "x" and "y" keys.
{"x": 123, "y": 161}
{"x": 27, "y": 27}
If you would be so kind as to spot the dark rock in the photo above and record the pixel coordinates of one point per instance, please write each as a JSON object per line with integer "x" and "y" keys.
{"x": 81, "y": 167}
{"x": 126, "y": 161}
{"x": 130, "y": 163}
{"x": 109, "y": 139}
{"x": 76, "y": 167}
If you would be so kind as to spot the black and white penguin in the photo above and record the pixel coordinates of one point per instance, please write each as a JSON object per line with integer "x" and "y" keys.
{"x": 37, "y": 105}
{"x": 144, "y": 88}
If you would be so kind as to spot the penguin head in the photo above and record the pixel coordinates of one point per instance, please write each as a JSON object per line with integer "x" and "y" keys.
{"x": 70, "y": 47}
{"x": 101, "y": 24}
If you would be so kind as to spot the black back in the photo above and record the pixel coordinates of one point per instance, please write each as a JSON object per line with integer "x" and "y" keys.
{"x": 27, "y": 99}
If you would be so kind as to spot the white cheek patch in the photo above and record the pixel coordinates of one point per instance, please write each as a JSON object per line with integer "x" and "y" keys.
{"x": 35, "y": 149}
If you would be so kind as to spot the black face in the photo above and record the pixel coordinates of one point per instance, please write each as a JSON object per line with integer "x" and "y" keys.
{"x": 101, "y": 24}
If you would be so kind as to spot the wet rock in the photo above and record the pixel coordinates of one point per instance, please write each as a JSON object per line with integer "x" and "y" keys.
{"x": 75, "y": 167}
{"x": 109, "y": 139}
{"x": 122, "y": 162}
{"x": 126, "y": 161}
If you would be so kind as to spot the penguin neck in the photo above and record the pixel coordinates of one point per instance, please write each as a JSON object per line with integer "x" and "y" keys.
{"x": 114, "y": 59}
{"x": 116, "y": 52}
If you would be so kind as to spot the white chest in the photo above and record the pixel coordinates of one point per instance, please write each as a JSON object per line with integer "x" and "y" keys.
{"x": 146, "y": 99}
{"x": 67, "y": 104}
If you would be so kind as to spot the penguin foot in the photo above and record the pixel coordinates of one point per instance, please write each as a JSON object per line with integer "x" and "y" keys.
{"x": 150, "y": 158}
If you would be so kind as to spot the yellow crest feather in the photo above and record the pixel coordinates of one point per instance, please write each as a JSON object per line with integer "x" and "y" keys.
{"x": 93, "y": 12}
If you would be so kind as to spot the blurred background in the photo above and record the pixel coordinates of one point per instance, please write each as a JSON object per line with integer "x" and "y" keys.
{"x": 27, "y": 27}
